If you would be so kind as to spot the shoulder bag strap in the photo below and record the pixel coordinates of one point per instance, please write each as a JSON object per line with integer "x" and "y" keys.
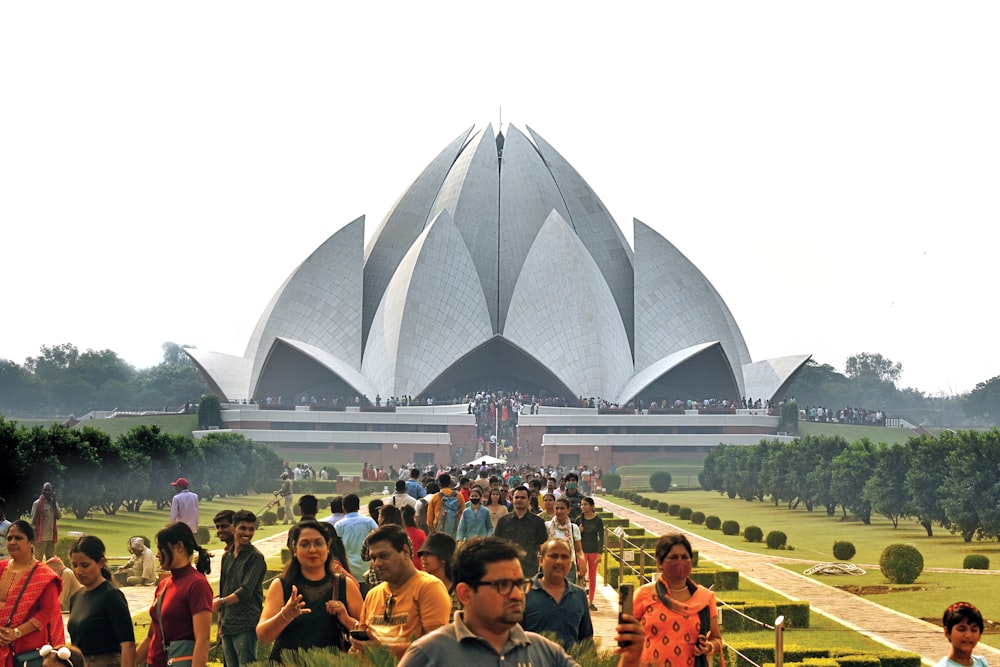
{"x": 19, "y": 595}
{"x": 159, "y": 616}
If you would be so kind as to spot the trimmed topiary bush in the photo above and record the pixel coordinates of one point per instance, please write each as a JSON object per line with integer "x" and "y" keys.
{"x": 976, "y": 562}
{"x": 901, "y": 563}
{"x": 201, "y": 537}
{"x": 730, "y": 527}
{"x": 753, "y": 534}
{"x": 697, "y": 518}
{"x": 685, "y": 513}
{"x": 644, "y": 502}
{"x": 674, "y": 510}
{"x": 776, "y": 540}
{"x": 660, "y": 481}
{"x": 654, "y": 504}
{"x": 713, "y": 522}
{"x": 611, "y": 482}
{"x": 269, "y": 518}
{"x": 843, "y": 550}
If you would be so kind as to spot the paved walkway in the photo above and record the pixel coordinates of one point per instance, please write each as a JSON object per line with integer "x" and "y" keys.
{"x": 884, "y": 625}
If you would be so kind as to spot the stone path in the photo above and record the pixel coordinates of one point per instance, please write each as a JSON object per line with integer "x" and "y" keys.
{"x": 884, "y": 625}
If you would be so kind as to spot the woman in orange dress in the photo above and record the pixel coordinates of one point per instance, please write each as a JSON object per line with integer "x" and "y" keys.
{"x": 679, "y": 617}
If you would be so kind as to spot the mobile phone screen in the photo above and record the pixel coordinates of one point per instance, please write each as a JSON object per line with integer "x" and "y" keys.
{"x": 625, "y": 594}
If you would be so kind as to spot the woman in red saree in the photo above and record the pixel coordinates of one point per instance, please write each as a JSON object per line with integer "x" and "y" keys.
{"x": 680, "y": 619}
{"x": 30, "y": 616}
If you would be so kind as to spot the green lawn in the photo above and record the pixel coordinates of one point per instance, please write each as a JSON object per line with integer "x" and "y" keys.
{"x": 116, "y": 530}
{"x": 812, "y": 534}
{"x": 174, "y": 424}
{"x": 853, "y": 433}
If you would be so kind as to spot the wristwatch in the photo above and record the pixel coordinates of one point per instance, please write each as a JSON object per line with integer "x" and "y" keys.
{"x": 17, "y": 633}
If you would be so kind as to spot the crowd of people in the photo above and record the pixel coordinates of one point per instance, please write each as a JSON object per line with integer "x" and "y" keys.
{"x": 847, "y": 415}
{"x": 429, "y": 567}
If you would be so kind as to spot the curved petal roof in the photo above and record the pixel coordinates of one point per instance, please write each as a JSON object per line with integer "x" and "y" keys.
{"x": 227, "y": 375}
{"x": 677, "y": 307}
{"x": 768, "y": 379}
{"x": 563, "y": 314}
{"x": 432, "y": 314}
{"x": 319, "y": 304}
{"x": 499, "y": 266}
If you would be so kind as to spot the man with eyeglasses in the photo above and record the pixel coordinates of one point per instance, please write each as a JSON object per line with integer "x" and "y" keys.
{"x": 554, "y": 604}
{"x": 491, "y": 587}
{"x": 408, "y": 603}
{"x": 524, "y": 529}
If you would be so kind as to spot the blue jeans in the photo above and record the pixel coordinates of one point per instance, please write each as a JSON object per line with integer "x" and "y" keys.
{"x": 240, "y": 649}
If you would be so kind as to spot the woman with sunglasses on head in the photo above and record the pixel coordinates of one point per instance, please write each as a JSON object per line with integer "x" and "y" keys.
{"x": 182, "y": 611}
{"x": 61, "y": 656}
{"x": 309, "y": 604}
{"x": 100, "y": 623}
{"x": 29, "y": 598}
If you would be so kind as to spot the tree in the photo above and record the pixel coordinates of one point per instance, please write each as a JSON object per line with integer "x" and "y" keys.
{"x": 209, "y": 412}
{"x": 970, "y": 494}
{"x": 872, "y": 367}
{"x": 850, "y": 470}
{"x": 886, "y": 489}
{"x": 983, "y": 402}
{"x": 925, "y": 477}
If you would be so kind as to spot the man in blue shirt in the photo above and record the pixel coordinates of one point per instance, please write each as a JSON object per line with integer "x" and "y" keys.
{"x": 353, "y": 529}
{"x": 413, "y": 485}
{"x": 553, "y": 604}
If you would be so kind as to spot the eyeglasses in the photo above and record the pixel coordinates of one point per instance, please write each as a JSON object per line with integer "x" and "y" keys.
{"x": 63, "y": 653}
{"x": 387, "y": 614}
{"x": 504, "y": 586}
{"x": 315, "y": 544}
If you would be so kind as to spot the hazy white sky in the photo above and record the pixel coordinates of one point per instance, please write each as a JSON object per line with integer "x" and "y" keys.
{"x": 832, "y": 168}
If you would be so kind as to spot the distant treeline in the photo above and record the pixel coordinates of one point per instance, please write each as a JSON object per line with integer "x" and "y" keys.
{"x": 949, "y": 481}
{"x": 62, "y": 380}
{"x": 92, "y": 471}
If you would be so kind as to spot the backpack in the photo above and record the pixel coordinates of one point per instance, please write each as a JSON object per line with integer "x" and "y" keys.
{"x": 448, "y": 520}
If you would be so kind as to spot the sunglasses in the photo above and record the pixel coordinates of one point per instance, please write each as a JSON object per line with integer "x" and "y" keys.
{"x": 63, "y": 653}
{"x": 389, "y": 604}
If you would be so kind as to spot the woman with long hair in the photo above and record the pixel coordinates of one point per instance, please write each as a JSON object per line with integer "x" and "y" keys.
{"x": 100, "y": 623}
{"x": 679, "y": 617}
{"x": 476, "y": 519}
{"x": 496, "y": 505}
{"x": 29, "y": 598}
{"x": 182, "y": 611}
{"x": 309, "y": 605}
{"x": 417, "y": 536}
{"x": 592, "y": 538}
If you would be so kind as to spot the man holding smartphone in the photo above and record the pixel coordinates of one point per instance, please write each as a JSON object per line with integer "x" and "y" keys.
{"x": 491, "y": 586}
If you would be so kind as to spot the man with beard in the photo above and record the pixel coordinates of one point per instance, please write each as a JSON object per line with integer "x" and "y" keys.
{"x": 491, "y": 588}
{"x": 553, "y": 604}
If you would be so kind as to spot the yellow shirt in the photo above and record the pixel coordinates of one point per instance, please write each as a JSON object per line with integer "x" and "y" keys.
{"x": 419, "y": 606}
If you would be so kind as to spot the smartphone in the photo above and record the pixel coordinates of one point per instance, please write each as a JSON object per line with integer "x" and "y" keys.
{"x": 625, "y": 594}
{"x": 360, "y": 635}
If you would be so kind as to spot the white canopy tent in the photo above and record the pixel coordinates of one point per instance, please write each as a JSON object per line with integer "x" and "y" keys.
{"x": 486, "y": 460}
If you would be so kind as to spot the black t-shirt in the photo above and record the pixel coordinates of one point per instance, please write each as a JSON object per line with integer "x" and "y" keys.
{"x": 99, "y": 620}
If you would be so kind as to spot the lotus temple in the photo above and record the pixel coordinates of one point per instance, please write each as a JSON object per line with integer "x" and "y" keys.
{"x": 498, "y": 268}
